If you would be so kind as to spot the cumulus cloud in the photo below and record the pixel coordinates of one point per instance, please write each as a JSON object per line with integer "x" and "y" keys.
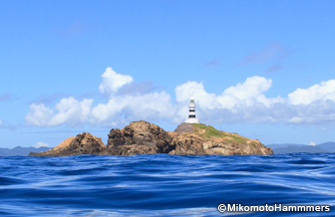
{"x": 324, "y": 91}
{"x": 197, "y": 90}
{"x": 247, "y": 102}
{"x": 151, "y": 106}
{"x": 39, "y": 115}
{"x": 243, "y": 102}
{"x": 250, "y": 91}
{"x": 112, "y": 81}
{"x": 244, "y": 94}
{"x": 121, "y": 107}
{"x": 68, "y": 110}
{"x": 41, "y": 144}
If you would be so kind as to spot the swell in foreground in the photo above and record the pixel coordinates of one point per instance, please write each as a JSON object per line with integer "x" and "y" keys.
{"x": 152, "y": 185}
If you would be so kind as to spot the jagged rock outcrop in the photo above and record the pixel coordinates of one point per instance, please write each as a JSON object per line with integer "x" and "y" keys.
{"x": 84, "y": 143}
{"x": 141, "y": 137}
{"x": 186, "y": 143}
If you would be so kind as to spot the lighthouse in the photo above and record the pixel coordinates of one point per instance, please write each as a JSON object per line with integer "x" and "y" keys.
{"x": 191, "y": 113}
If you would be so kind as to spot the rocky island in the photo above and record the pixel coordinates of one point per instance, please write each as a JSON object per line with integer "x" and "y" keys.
{"x": 141, "y": 137}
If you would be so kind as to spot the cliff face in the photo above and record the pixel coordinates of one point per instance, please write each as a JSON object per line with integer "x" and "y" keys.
{"x": 141, "y": 137}
{"x": 84, "y": 143}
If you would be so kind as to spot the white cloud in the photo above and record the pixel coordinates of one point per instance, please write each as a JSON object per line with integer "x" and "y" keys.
{"x": 250, "y": 92}
{"x": 243, "y": 102}
{"x": 68, "y": 110}
{"x": 41, "y": 144}
{"x": 250, "y": 89}
{"x": 126, "y": 108}
{"x": 133, "y": 107}
{"x": 242, "y": 95}
{"x": 312, "y": 143}
{"x": 197, "y": 90}
{"x": 72, "y": 111}
{"x": 1, "y": 123}
{"x": 112, "y": 81}
{"x": 39, "y": 115}
{"x": 323, "y": 91}
{"x": 247, "y": 102}
{"x": 119, "y": 108}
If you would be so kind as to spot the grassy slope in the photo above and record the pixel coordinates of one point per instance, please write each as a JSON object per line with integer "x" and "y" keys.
{"x": 207, "y": 131}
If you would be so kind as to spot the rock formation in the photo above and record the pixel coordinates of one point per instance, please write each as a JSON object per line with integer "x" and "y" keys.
{"x": 184, "y": 128}
{"x": 84, "y": 143}
{"x": 203, "y": 139}
{"x": 141, "y": 137}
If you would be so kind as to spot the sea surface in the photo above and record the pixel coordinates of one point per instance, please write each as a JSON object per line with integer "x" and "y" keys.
{"x": 163, "y": 185}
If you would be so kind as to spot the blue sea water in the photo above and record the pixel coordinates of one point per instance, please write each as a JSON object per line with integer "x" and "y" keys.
{"x": 163, "y": 185}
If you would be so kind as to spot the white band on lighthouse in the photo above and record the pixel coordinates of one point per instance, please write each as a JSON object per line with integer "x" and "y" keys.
{"x": 191, "y": 113}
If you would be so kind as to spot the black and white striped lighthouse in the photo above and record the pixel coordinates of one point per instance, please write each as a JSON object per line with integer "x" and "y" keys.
{"x": 192, "y": 119}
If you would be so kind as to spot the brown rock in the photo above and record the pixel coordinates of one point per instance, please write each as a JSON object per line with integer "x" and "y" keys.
{"x": 138, "y": 137}
{"x": 64, "y": 144}
{"x": 84, "y": 143}
{"x": 184, "y": 127}
{"x": 186, "y": 143}
{"x": 141, "y": 137}
{"x": 204, "y": 139}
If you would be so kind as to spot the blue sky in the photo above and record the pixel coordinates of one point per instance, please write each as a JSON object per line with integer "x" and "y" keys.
{"x": 264, "y": 69}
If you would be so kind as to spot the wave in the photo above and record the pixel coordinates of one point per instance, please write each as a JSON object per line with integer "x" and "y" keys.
{"x": 160, "y": 184}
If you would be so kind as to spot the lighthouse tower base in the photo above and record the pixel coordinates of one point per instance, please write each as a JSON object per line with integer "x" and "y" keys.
{"x": 192, "y": 121}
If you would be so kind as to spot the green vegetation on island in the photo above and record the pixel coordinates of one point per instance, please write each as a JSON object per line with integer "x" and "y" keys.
{"x": 208, "y": 131}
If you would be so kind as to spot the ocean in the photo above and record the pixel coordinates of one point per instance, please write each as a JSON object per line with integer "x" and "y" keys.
{"x": 164, "y": 185}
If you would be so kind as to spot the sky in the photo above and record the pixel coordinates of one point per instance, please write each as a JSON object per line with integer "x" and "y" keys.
{"x": 263, "y": 69}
